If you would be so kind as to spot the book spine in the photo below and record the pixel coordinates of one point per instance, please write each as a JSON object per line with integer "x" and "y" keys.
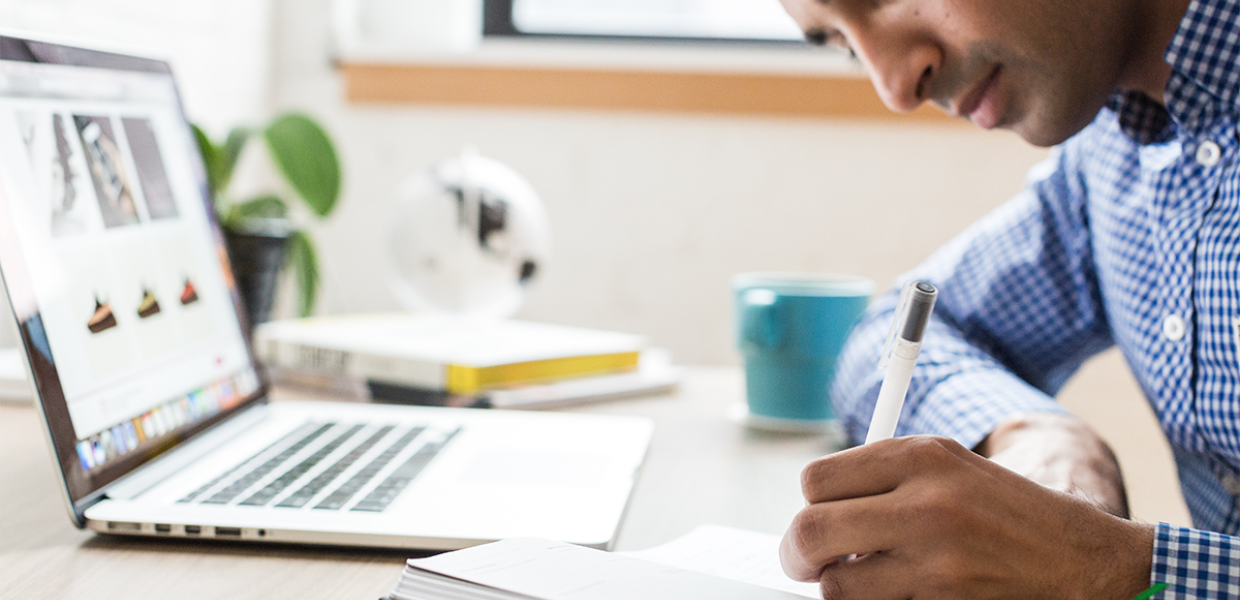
{"x": 353, "y": 365}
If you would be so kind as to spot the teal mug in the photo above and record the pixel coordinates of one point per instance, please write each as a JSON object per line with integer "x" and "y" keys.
{"x": 790, "y": 330}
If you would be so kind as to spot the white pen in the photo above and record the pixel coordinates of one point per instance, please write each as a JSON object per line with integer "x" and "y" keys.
{"x": 904, "y": 343}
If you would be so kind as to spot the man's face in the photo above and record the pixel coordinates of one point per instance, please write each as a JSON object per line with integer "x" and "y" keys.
{"x": 1042, "y": 68}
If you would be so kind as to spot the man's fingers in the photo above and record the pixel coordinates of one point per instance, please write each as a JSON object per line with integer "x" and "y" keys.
{"x": 879, "y": 576}
{"x": 822, "y": 534}
{"x": 876, "y": 468}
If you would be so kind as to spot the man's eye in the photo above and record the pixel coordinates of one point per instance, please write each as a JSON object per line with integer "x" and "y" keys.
{"x": 816, "y": 37}
{"x": 821, "y": 37}
{"x": 837, "y": 39}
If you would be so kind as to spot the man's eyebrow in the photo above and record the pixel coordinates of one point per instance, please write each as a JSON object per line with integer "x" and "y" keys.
{"x": 816, "y": 37}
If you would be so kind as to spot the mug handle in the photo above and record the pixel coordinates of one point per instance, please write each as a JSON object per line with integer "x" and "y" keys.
{"x": 758, "y": 326}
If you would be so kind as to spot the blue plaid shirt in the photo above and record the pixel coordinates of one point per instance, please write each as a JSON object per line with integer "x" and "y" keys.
{"x": 1128, "y": 235}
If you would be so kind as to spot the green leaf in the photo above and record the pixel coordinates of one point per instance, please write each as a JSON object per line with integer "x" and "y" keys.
{"x": 221, "y": 160}
{"x": 231, "y": 151}
{"x": 210, "y": 159}
{"x": 304, "y": 153}
{"x": 305, "y": 267}
{"x": 269, "y": 206}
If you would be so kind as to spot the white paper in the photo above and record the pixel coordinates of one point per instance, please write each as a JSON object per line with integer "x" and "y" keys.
{"x": 730, "y": 553}
{"x": 556, "y": 571}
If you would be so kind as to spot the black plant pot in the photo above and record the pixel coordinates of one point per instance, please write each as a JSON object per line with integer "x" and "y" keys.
{"x": 257, "y": 255}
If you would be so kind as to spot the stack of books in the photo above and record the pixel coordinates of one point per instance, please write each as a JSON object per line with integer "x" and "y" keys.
{"x": 451, "y": 360}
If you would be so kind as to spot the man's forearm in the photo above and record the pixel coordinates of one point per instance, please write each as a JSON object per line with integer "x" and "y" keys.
{"x": 1062, "y": 453}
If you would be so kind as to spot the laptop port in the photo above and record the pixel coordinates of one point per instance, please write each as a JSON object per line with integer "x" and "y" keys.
{"x": 119, "y": 526}
{"x": 163, "y": 528}
{"x": 193, "y": 529}
{"x": 227, "y": 532}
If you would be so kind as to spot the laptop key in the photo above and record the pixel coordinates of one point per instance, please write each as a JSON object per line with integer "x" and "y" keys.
{"x": 341, "y": 496}
{"x": 307, "y": 492}
{"x": 273, "y": 489}
{"x": 379, "y": 498}
{"x": 235, "y": 488}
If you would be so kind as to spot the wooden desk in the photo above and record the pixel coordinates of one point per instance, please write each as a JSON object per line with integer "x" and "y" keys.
{"x": 701, "y": 469}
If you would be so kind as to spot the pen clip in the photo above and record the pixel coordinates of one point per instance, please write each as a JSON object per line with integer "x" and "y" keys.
{"x": 906, "y": 293}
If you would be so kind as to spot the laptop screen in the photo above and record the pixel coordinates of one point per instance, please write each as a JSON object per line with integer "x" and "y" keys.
{"x": 114, "y": 266}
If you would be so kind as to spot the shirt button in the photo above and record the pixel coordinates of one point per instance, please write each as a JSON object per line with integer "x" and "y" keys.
{"x": 1208, "y": 154}
{"x": 1173, "y": 327}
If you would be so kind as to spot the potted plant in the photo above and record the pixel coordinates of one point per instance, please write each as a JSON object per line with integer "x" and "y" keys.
{"x": 261, "y": 238}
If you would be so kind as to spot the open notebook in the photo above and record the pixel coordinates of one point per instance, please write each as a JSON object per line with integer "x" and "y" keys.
{"x": 711, "y": 562}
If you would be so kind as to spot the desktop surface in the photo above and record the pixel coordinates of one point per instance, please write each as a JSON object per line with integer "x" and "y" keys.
{"x": 701, "y": 468}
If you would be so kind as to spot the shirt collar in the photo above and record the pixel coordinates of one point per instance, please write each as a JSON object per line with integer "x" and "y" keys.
{"x": 1206, "y": 51}
{"x": 1204, "y": 57}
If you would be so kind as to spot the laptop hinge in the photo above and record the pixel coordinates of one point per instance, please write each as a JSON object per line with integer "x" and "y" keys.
{"x": 148, "y": 475}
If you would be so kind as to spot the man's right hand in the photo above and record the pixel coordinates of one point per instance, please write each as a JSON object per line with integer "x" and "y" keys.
{"x": 931, "y": 519}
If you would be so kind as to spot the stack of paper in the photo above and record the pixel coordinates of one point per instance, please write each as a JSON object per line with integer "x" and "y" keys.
{"x": 712, "y": 562}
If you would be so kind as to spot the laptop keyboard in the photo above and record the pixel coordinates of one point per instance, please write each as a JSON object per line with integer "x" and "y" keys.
{"x": 383, "y": 494}
{"x": 226, "y": 495}
{"x": 265, "y": 495}
{"x": 302, "y": 496}
{"x": 337, "y": 499}
{"x": 286, "y": 474}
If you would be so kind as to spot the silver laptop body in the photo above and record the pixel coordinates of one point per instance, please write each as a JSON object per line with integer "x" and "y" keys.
{"x": 154, "y": 407}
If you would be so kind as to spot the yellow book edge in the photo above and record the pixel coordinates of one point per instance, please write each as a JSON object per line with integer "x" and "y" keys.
{"x": 464, "y": 380}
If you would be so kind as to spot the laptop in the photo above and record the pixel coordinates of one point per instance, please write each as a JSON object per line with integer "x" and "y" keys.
{"x": 154, "y": 405}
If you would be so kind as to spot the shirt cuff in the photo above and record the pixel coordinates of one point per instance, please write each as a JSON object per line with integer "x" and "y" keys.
{"x": 1195, "y": 564}
{"x": 968, "y": 406}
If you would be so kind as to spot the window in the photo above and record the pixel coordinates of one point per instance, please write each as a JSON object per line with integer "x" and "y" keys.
{"x": 717, "y": 20}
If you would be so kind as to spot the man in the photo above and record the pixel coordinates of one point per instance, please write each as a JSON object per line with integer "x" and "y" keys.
{"x": 1128, "y": 235}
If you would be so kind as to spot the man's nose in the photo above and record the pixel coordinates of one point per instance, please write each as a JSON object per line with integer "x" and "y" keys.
{"x": 902, "y": 73}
